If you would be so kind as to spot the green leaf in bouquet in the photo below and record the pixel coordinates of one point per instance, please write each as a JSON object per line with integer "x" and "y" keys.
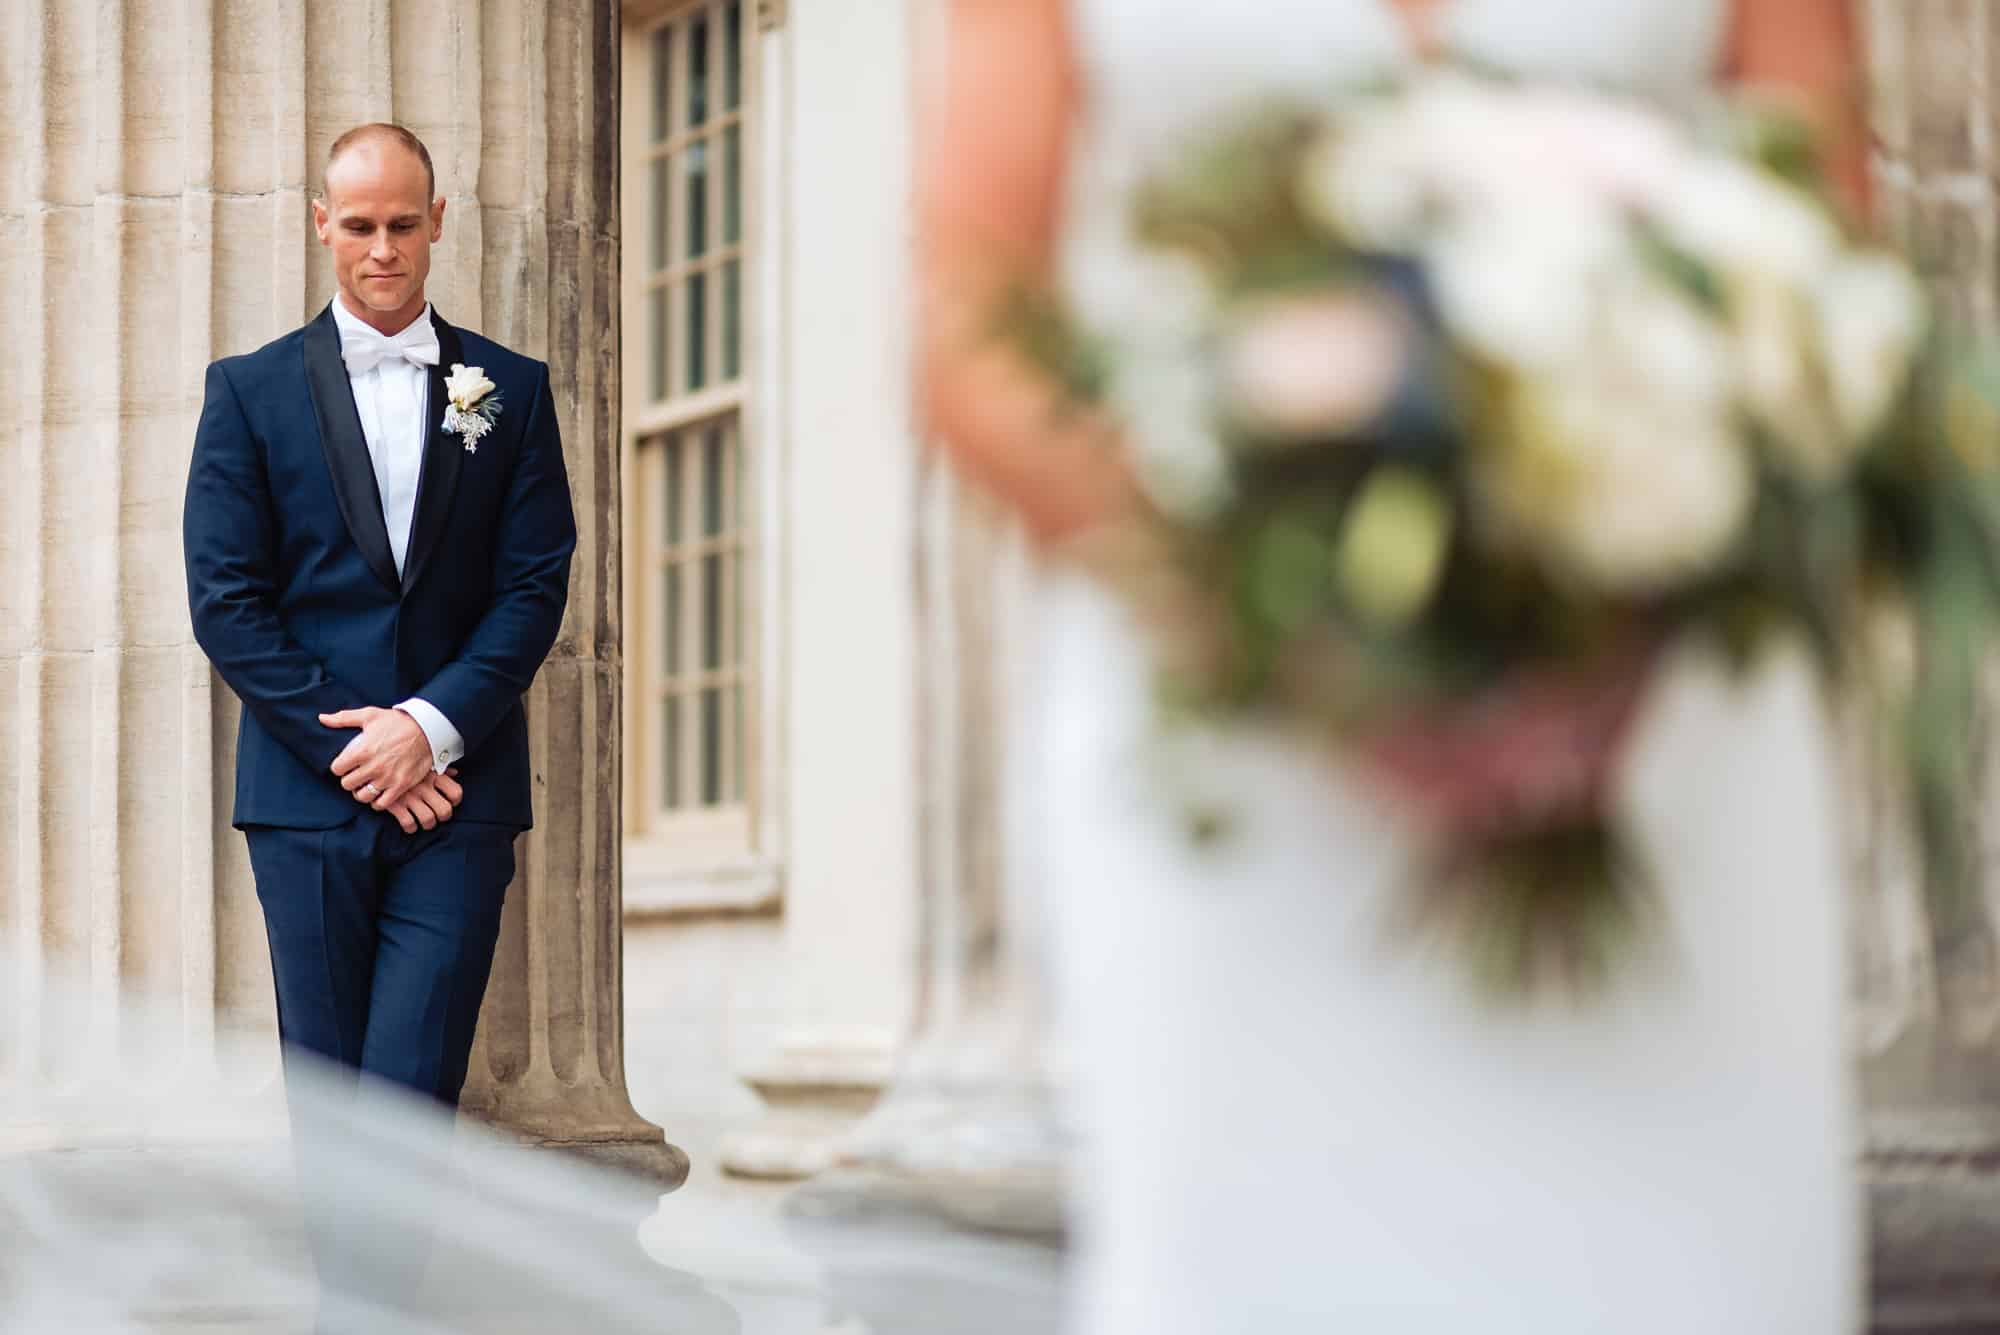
{"x": 1680, "y": 267}
{"x": 1775, "y": 137}
{"x": 1941, "y": 456}
{"x": 1743, "y": 617}
{"x": 1392, "y": 546}
{"x": 1955, "y": 617}
{"x": 1303, "y": 263}
{"x": 1036, "y": 322}
{"x": 1967, "y": 379}
{"x": 1537, "y": 911}
{"x": 1799, "y": 569}
{"x": 1287, "y": 569}
{"x": 1498, "y": 612}
{"x": 1970, "y": 422}
{"x": 1233, "y": 198}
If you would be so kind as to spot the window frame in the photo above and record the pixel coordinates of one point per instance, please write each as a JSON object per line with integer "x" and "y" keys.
{"x": 692, "y": 855}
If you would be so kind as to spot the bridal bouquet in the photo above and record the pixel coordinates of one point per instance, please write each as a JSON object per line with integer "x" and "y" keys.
{"x": 1454, "y": 403}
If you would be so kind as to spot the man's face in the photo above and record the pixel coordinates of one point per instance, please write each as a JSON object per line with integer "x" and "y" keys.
{"x": 379, "y": 225}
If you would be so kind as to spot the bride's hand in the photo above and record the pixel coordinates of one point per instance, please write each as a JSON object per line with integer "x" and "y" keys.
{"x": 1000, "y": 106}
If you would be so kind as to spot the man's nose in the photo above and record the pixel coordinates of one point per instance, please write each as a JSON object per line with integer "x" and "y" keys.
{"x": 380, "y": 249}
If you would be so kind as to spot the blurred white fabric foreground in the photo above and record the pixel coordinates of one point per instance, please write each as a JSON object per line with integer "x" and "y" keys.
{"x": 436, "y": 1228}
{"x": 1290, "y": 1123}
{"x": 166, "y": 1232}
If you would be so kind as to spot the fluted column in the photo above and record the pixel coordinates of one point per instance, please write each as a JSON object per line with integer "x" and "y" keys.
{"x": 153, "y": 215}
{"x": 133, "y": 248}
{"x": 1929, "y": 1028}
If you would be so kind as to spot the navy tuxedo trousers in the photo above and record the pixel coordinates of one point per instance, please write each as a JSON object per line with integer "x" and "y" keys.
{"x": 381, "y": 941}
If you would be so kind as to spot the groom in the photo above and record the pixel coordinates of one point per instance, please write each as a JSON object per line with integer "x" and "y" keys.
{"x": 377, "y": 565}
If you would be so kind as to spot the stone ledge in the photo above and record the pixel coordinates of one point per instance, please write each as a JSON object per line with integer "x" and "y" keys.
{"x": 743, "y": 887}
{"x": 1934, "y": 1250}
{"x": 661, "y": 1163}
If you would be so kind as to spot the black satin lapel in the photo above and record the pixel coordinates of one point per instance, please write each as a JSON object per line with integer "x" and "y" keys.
{"x": 444, "y": 455}
{"x": 346, "y": 448}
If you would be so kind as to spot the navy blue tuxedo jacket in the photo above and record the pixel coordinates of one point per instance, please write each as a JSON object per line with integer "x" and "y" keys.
{"x": 295, "y": 595}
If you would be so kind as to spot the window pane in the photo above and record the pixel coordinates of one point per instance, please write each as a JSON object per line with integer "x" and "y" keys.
{"x": 659, "y": 216}
{"x": 711, "y": 746}
{"x": 712, "y": 479}
{"x": 711, "y": 611}
{"x": 736, "y": 601}
{"x": 732, "y": 58}
{"x": 738, "y": 746}
{"x": 674, "y": 490}
{"x": 670, "y": 616}
{"x": 740, "y": 476}
{"x": 696, "y": 167}
{"x": 663, "y": 65}
{"x": 732, "y": 320}
{"x": 670, "y": 749}
{"x": 698, "y": 72}
{"x": 697, "y": 331}
{"x": 657, "y": 300}
{"x": 732, "y": 185}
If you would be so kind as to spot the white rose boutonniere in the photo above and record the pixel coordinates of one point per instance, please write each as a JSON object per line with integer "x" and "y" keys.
{"x": 473, "y": 407}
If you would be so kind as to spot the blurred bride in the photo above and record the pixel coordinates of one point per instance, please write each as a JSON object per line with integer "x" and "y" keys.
{"x": 1287, "y": 1126}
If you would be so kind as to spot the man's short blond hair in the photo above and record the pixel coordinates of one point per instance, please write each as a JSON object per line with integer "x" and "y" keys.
{"x": 382, "y": 130}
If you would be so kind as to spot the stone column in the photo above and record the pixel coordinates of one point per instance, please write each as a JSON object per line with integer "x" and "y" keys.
{"x": 153, "y": 215}
{"x": 968, "y": 1129}
{"x": 1929, "y": 1020}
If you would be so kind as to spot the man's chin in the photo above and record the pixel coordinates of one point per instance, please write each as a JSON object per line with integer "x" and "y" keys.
{"x": 383, "y": 298}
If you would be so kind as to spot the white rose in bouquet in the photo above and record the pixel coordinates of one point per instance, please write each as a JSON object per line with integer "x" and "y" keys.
{"x": 1628, "y": 503}
{"x": 1458, "y": 143}
{"x": 1364, "y": 184}
{"x": 1624, "y": 469}
{"x": 1822, "y": 365}
{"x": 1872, "y": 319}
{"x": 1384, "y": 169}
{"x": 1519, "y": 284}
{"x": 1742, "y": 221}
{"x": 1621, "y": 154}
{"x": 1782, "y": 390}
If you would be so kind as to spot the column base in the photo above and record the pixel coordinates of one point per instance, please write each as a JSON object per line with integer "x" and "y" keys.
{"x": 654, "y": 1160}
{"x": 814, "y": 1092}
{"x": 970, "y": 1130}
{"x": 593, "y": 1121}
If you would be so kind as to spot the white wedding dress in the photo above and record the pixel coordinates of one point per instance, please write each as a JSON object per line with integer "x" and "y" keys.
{"x": 1287, "y": 1124}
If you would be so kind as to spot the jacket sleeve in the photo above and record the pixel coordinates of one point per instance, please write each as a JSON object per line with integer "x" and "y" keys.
{"x": 228, "y": 539}
{"x": 537, "y": 534}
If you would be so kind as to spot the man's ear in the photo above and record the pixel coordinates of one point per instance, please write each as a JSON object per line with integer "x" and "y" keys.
{"x": 320, "y": 219}
{"x": 437, "y": 220}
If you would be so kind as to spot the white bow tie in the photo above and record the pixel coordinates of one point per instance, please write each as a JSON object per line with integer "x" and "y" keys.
{"x": 365, "y": 348}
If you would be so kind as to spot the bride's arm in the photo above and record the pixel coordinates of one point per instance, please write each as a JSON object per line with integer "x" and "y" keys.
{"x": 1000, "y": 108}
{"x": 1807, "y": 51}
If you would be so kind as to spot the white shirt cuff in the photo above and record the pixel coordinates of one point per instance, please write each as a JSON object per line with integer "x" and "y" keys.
{"x": 447, "y": 747}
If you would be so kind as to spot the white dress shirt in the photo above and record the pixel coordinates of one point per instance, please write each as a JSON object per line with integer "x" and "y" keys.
{"x": 389, "y": 398}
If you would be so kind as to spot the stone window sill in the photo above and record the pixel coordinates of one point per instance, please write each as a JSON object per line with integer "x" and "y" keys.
{"x": 661, "y": 885}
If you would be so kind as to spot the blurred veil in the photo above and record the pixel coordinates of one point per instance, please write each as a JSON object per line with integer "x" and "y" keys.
{"x": 162, "y": 1230}
{"x": 192, "y": 1211}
